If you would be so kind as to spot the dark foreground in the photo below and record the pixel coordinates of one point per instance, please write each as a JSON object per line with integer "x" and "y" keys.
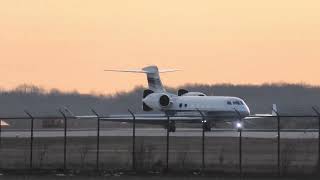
{"x": 149, "y": 177}
{"x": 221, "y": 155}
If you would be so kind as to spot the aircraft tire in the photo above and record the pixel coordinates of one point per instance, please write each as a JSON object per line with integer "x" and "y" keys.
{"x": 207, "y": 126}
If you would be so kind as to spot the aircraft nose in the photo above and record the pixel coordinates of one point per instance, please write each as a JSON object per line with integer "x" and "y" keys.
{"x": 247, "y": 110}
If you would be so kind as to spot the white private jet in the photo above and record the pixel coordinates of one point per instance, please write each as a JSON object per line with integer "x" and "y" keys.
{"x": 185, "y": 107}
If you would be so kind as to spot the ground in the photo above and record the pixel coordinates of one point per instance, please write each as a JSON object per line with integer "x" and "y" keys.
{"x": 259, "y": 155}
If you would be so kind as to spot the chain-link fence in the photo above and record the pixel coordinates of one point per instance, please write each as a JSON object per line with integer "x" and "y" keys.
{"x": 57, "y": 145}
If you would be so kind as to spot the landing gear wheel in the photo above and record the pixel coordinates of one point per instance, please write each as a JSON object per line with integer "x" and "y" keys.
{"x": 207, "y": 126}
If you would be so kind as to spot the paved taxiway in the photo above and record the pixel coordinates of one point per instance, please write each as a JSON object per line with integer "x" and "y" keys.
{"x": 181, "y": 132}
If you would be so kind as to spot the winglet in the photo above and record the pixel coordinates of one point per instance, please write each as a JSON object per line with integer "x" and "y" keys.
{"x": 274, "y": 110}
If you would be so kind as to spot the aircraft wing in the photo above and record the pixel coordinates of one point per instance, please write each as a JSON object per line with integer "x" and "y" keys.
{"x": 143, "y": 118}
{"x": 259, "y": 116}
{"x": 3, "y": 124}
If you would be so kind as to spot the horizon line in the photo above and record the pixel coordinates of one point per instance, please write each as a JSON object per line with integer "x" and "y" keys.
{"x": 45, "y": 90}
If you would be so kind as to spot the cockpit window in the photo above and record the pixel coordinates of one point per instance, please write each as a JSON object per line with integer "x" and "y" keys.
{"x": 201, "y": 95}
{"x": 236, "y": 102}
{"x": 229, "y": 102}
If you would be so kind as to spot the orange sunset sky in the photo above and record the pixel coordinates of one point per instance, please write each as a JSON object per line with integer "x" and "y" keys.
{"x": 66, "y": 44}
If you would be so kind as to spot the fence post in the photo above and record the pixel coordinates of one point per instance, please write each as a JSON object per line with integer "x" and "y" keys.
{"x": 65, "y": 141}
{"x": 133, "y": 140}
{"x": 278, "y": 141}
{"x": 31, "y": 138}
{"x": 167, "y": 147}
{"x": 98, "y": 138}
{"x": 240, "y": 151}
{"x": 203, "y": 138}
{"x": 0, "y": 136}
{"x": 318, "y": 114}
{"x": 239, "y": 127}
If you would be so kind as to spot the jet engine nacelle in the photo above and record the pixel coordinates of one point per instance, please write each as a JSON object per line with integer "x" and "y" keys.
{"x": 164, "y": 100}
{"x": 157, "y": 101}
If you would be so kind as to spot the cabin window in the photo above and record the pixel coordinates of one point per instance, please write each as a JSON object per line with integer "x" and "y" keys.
{"x": 180, "y": 105}
{"x": 241, "y": 103}
{"x": 229, "y": 102}
{"x": 185, "y": 105}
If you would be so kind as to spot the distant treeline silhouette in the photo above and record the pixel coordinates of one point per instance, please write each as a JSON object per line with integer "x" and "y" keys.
{"x": 290, "y": 98}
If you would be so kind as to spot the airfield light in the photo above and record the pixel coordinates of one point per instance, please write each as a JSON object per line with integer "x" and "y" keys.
{"x": 239, "y": 125}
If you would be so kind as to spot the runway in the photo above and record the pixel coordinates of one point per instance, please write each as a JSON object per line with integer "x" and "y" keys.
{"x": 158, "y": 132}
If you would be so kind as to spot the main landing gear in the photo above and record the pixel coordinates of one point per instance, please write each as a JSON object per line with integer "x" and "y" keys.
{"x": 172, "y": 126}
{"x": 206, "y": 125}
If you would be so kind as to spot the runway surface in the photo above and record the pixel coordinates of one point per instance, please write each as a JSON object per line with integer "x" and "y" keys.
{"x": 181, "y": 132}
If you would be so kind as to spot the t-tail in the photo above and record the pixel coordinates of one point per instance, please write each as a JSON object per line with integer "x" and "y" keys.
{"x": 153, "y": 76}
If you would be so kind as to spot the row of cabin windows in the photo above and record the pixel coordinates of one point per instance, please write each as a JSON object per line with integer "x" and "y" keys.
{"x": 228, "y": 102}
{"x": 192, "y": 106}
{"x": 235, "y": 103}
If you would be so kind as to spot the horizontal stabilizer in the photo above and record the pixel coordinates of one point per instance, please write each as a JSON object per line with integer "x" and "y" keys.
{"x": 153, "y": 77}
{"x": 168, "y": 70}
{"x": 132, "y": 71}
{"x": 146, "y": 70}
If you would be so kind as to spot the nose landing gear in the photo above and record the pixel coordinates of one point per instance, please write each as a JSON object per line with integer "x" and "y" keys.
{"x": 239, "y": 125}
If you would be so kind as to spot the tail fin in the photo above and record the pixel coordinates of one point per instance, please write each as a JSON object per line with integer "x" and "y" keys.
{"x": 154, "y": 81}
